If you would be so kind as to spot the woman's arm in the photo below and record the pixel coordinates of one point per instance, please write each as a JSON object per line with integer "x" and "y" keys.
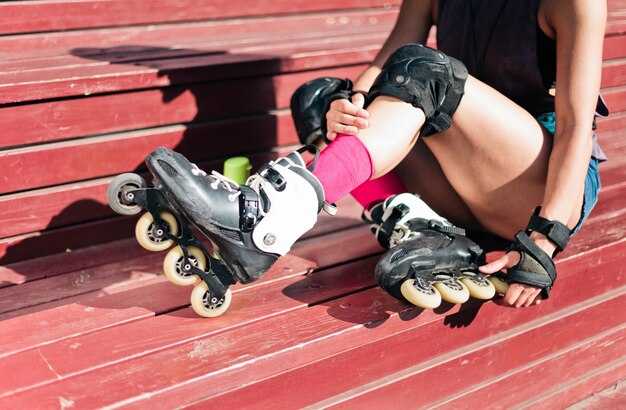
{"x": 579, "y": 27}
{"x": 412, "y": 26}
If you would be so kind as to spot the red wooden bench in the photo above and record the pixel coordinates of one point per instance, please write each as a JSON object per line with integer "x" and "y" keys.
{"x": 88, "y": 320}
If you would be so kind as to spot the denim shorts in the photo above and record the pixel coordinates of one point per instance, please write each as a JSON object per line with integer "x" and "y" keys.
{"x": 592, "y": 182}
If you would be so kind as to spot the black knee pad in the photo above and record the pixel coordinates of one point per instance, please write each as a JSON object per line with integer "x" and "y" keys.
{"x": 425, "y": 78}
{"x": 310, "y": 102}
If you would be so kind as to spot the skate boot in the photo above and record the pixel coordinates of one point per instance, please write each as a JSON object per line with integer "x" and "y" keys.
{"x": 249, "y": 226}
{"x": 428, "y": 259}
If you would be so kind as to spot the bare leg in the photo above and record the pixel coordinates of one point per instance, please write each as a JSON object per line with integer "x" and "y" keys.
{"x": 495, "y": 155}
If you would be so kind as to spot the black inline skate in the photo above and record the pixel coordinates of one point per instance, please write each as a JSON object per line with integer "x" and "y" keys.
{"x": 249, "y": 226}
{"x": 428, "y": 259}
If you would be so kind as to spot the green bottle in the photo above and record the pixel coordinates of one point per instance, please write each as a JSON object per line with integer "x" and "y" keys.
{"x": 237, "y": 169}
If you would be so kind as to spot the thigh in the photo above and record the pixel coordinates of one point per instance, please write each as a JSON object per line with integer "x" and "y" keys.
{"x": 422, "y": 174}
{"x": 495, "y": 156}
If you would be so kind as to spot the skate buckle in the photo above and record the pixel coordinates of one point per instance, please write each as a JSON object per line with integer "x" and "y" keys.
{"x": 275, "y": 178}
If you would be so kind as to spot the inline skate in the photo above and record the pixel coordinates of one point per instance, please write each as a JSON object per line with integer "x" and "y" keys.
{"x": 249, "y": 226}
{"x": 428, "y": 259}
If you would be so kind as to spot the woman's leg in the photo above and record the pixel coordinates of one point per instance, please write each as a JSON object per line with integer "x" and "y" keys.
{"x": 495, "y": 154}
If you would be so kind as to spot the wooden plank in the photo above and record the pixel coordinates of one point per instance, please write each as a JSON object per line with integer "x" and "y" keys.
{"x": 499, "y": 361}
{"x": 27, "y": 246}
{"x": 193, "y": 45}
{"x": 614, "y": 122}
{"x": 83, "y": 159}
{"x": 271, "y": 59}
{"x": 101, "y": 77}
{"x": 184, "y": 326}
{"x": 613, "y": 73}
{"x": 334, "y": 373}
{"x": 443, "y": 375}
{"x": 615, "y": 98}
{"x": 25, "y": 17}
{"x": 322, "y": 331}
{"x": 71, "y": 118}
{"x": 614, "y": 47}
{"x": 300, "y": 292}
{"x": 347, "y": 216}
{"x": 184, "y": 35}
{"x": 601, "y": 382}
{"x": 52, "y": 265}
{"x": 49, "y": 208}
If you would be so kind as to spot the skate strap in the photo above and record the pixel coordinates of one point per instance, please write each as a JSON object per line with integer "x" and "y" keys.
{"x": 555, "y": 231}
{"x": 535, "y": 267}
{"x": 448, "y": 229}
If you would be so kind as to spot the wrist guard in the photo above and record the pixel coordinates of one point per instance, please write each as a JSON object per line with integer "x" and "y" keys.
{"x": 536, "y": 267}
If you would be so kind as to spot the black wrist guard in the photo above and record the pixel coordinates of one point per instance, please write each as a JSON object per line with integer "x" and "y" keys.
{"x": 536, "y": 267}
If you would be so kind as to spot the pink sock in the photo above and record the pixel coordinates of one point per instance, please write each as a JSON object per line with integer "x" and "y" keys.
{"x": 378, "y": 189}
{"x": 342, "y": 166}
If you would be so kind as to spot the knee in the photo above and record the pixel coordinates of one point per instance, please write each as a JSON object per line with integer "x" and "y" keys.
{"x": 427, "y": 79}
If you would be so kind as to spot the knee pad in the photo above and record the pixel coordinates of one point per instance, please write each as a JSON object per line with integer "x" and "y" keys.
{"x": 425, "y": 78}
{"x": 310, "y": 102}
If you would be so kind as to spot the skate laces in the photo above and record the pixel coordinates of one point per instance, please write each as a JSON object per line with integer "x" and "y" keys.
{"x": 227, "y": 183}
{"x": 399, "y": 234}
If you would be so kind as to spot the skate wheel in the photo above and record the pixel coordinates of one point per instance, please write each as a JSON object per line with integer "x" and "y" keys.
{"x": 478, "y": 286}
{"x": 118, "y": 190}
{"x": 173, "y": 265}
{"x": 453, "y": 291}
{"x": 147, "y": 235}
{"x": 202, "y": 305}
{"x": 424, "y": 298}
{"x": 501, "y": 286}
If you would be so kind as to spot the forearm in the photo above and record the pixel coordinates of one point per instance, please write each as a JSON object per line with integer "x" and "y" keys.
{"x": 412, "y": 26}
{"x": 567, "y": 170}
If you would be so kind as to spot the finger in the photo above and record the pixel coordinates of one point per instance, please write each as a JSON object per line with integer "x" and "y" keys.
{"x": 515, "y": 290}
{"x": 347, "y": 119}
{"x": 344, "y": 106}
{"x": 331, "y": 135}
{"x": 535, "y": 299}
{"x": 342, "y": 129}
{"x": 358, "y": 100}
{"x": 494, "y": 266}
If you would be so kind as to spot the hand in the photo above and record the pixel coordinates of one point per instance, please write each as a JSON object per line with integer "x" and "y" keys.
{"x": 345, "y": 117}
{"x": 518, "y": 295}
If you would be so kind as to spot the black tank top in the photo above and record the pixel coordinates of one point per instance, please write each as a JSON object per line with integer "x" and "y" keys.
{"x": 501, "y": 44}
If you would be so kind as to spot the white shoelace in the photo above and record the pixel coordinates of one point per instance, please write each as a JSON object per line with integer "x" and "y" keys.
{"x": 256, "y": 182}
{"x": 400, "y": 234}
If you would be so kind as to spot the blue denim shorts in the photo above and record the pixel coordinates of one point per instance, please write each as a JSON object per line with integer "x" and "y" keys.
{"x": 592, "y": 182}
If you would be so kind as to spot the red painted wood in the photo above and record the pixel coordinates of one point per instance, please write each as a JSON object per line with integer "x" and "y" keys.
{"x": 614, "y": 47}
{"x": 333, "y": 374}
{"x": 52, "y": 265}
{"x": 18, "y": 248}
{"x": 85, "y": 159}
{"x": 185, "y": 327}
{"x": 197, "y": 32}
{"x": 309, "y": 301}
{"x": 104, "y": 77}
{"x": 312, "y": 328}
{"x": 462, "y": 372}
{"x": 615, "y": 98}
{"x": 592, "y": 383}
{"x": 614, "y": 122}
{"x": 64, "y": 119}
{"x": 62, "y": 15}
{"x": 64, "y": 205}
{"x": 195, "y": 44}
{"x": 613, "y": 73}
